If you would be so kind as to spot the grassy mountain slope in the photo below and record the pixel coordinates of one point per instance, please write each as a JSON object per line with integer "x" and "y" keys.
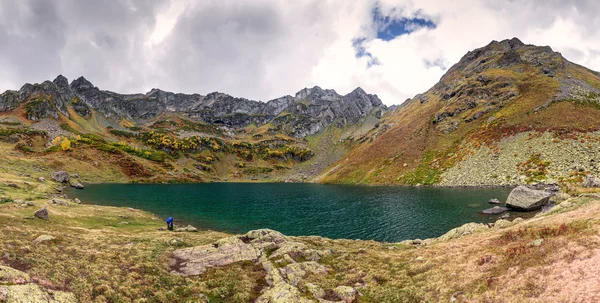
{"x": 41, "y": 124}
{"x": 494, "y": 93}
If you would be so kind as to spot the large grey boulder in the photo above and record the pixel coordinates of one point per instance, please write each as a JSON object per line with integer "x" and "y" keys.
{"x": 525, "y": 198}
{"x": 42, "y": 214}
{"x": 61, "y": 177}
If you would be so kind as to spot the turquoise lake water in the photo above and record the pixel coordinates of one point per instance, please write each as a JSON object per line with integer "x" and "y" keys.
{"x": 335, "y": 211}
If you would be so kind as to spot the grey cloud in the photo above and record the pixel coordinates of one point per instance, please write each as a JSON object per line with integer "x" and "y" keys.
{"x": 246, "y": 48}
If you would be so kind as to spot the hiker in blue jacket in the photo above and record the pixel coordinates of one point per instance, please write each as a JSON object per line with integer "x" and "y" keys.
{"x": 170, "y": 223}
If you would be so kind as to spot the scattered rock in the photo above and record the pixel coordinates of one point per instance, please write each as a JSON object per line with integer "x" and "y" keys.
{"x": 10, "y": 275}
{"x": 176, "y": 242}
{"x": 75, "y": 176}
{"x": 420, "y": 259}
{"x": 537, "y": 242}
{"x": 494, "y": 201}
{"x": 295, "y": 272}
{"x": 282, "y": 293}
{"x": 591, "y": 181}
{"x": 13, "y": 185}
{"x": 42, "y": 214}
{"x": 43, "y": 238}
{"x": 42, "y": 179}
{"x": 505, "y": 216}
{"x": 346, "y": 293}
{"x": 61, "y": 177}
{"x": 76, "y": 184}
{"x": 188, "y": 228}
{"x": 495, "y": 210}
{"x": 525, "y": 198}
{"x": 77, "y": 201}
{"x": 499, "y": 224}
{"x": 317, "y": 291}
{"x": 517, "y": 220}
{"x": 33, "y": 293}
{"x": 58, "y": 201}
{"x": 464, "y": 230}
{"x": 455, "y": 296}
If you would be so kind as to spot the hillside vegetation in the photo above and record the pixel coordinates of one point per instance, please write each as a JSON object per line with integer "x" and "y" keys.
{"x": 482, "y": 122}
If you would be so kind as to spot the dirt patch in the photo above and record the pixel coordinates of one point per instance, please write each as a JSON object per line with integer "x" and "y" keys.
{"x": 130, "y": 167}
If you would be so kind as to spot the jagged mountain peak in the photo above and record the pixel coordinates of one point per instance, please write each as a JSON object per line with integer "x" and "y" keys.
{"x": 316, "y": 92}
{"x": 81, "y": 82}
{"x": 61, "y": 81}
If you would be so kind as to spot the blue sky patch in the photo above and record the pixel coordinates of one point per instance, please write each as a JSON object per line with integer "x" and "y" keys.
{"x": 389, "y": 27}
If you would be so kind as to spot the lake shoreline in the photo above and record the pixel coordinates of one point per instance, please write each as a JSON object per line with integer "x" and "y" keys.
{"x": 336, "y": 211}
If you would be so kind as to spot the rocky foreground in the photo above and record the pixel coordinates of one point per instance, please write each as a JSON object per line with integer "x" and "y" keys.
{"x": 54, "y": 249}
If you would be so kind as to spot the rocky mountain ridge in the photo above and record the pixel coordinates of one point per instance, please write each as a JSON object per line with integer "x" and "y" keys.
{"x": 308, "y": 112}
{"x": 477, "y": 126}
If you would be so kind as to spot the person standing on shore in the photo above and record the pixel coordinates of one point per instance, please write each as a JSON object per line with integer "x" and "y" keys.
{"x": 170, "y": 223}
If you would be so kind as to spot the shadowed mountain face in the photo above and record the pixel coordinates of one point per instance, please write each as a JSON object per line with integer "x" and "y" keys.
{"x": 310, "y": 111}
{"x": 478, "y": 124}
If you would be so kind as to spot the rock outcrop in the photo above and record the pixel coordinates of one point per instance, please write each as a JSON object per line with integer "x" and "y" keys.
{"x": 16, "y": 287}
{"x": 61, "y": 177}
{"x": 525, "y": 198}
{"x": 286, "y": 263}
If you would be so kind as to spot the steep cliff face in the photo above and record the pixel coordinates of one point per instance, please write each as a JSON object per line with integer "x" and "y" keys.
{"x": 492, "y": 94}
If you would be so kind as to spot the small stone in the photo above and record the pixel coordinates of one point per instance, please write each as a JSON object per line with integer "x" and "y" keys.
{"x": 315, "y": 290}
{"x": 537, "y": 242}
{"x": 420, "y": 259}
{"x": 42, "y": 179}
{"x": 59, "y": 202}
{"x": 77, "y": 185}
{"x": 188, "y": 228}
{"x": 43, "y": 238}
{"x": 42, "y": 214}
{"x": 77, "y": 201}
{"x": 494, "y": 201}
{"x": 346, "y": 293}
{"x": 176, "y": 242}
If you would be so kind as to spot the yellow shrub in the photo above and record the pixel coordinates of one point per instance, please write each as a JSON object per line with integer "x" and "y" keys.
{"x": 66, "y": 144}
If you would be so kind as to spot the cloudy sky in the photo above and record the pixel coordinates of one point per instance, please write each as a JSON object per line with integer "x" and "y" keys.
{"x": 265, "y": 49}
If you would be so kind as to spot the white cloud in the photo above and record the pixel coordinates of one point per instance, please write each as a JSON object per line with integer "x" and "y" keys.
{"x": 264, "y": 49}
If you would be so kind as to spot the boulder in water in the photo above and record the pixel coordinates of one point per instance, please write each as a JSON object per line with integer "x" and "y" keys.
{"x": 525, "y": 198}
{"x": 76, "y": 184}
{"x": 495, "y": 210}
{"x": 494, "y": 201}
